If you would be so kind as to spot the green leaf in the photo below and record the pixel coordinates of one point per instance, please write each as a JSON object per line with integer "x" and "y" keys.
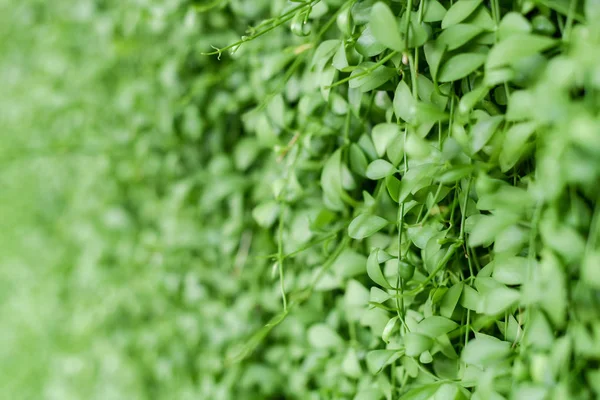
{"x": 469, "y": 100}
{"x": 487, "y": 227}
{"x": 383, "y": 135}
{"x": 425, "y": 392}
{"x": 384, "y": 27}
{"x": 434, "y": 11}
{"x": 590, "y": 269}
{"x": 366, "y": 80}
{"x": 265, "y": 214}
{"x": 450, "y": 300}
{"x": 516, "y": 47}
{"x": 455, "y": 173}
{"x": 374, "y": 271}
{"x": 471, "y": 299}
{"x": 365, "y": 225}
{"x": 511, "y": 270}
{"x": 380, "y": 169}
{"x": 389, "y": 329}
{"x": 377, "y": 295}
{"x": 499, "y": 299}
{"x": 393, "y": 186}
{"x": 515, "y": 144}
{"x": 348, "y": 264}
{"x": 351, "y": 365}
{"x": 358, "y": 160}
{"x": 379, "y": 359}
{"x": 513, "y": 23}
{"x": 416, "y": 343}
{"x": 405, "y": 105}
{"x": 459, "y": 11}
{"x": 321, "y": 336}
{"x": 434, "y": 52}
{"x": 458, "y": 35}
{"x": 552, "y": 288}
{"x": 429, "y": 113}
{"x": 331, "y": 182}
{"x": 448, "y": 391}
{"x": 460, "y": 66}
{"x": 323, "y": 53}
{"x": 356, "y": 299}
{"x": 418, "y": 33}
{"x": 484, "y": 351}
{"x": 435, "y": 326}
{"x": 481, "y": 18}
{"x": 367, "y": 45}
{"x": 483, "y": 131}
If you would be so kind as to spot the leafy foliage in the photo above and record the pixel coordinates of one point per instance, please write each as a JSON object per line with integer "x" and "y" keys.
{"x": 356, "y": 199}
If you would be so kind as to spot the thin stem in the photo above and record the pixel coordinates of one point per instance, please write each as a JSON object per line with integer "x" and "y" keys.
{"x": 282, "y": 19}
{"x": 280, "y": 256}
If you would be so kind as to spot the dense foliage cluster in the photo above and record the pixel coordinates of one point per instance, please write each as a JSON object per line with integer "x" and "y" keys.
{"x": 343, "y": 199}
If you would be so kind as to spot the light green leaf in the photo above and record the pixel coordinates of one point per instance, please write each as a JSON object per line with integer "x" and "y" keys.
{"x": 515, "y": 144}
{"x": 379, "y": 169}
{"x": 367, "y": 45}
{"x": 365, "y": 225}
{"x": 435, "y": 326}
{"x": 331, "y": 182}
{"x": 513, "y": 23}
{"x": 425, "y": 392}
{"x": 384, "y": 27}
{"x": 349, "y": 263}
{"x": 321, "y": 336}
{"x": 458, "y": 35}
{"x": 590, "y": 269}
{"x": 405, "y": 105}
{"x": 434, "y": 52}
{"x": 516, "y": 47}
{"x": 487, "y": 227}
{"x": 450, "y": 300}
{"x": 459, "y": 11}
{"x": 429, "y": 113}
{"x": 383, "y": 135}
{"x": 374, "y": 271}
{"x": 356, "y": 299}
{"x": 390, "y": 328}
{"x": 484, "y": 351}
{"x": 510, "y": 270}
{"x": 379, "y": 359}
{"x": 483, "y": 131}
{"x": 265, "y": 214}
{"x": 366, "y": 80}
{"x": 455, "y": 173}
{"x": 434, "y": 11}
{"x": 469, "y": 100}
{"x": 393, "y": 186}
{"x": 351, "y": 365}
{"x": 358, "y": 160}
{"x": 416, "y": 343}
{"x": 499, "y": 299}
{"x": 377, "y": 295}
{"x": 324, "y": 52}
{"x": 460, "y": 66}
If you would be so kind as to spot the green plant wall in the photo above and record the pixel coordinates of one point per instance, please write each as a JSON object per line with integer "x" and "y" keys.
{"x": 321, "y": 199}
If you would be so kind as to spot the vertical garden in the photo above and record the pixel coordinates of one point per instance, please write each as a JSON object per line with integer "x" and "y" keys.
{"x": 318, "y": 199}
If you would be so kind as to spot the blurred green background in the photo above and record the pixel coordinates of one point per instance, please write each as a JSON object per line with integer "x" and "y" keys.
{"x": 102, "y": 240}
